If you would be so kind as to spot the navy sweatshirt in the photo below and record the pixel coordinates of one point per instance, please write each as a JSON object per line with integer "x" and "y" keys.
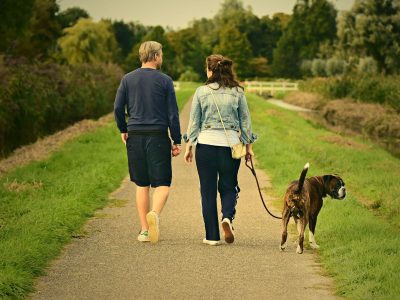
{"x": 149, "y": 97}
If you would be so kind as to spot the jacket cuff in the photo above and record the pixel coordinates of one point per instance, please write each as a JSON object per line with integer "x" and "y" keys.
{"x": 251, "y": 139}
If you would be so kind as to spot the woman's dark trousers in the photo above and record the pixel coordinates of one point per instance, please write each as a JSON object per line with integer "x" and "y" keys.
{"x": 217, "y": 171}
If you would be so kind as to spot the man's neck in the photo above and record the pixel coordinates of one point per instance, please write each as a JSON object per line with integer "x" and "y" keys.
{"x": 149, "y": 65}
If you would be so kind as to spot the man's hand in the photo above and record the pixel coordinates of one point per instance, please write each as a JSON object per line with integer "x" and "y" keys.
{"x": 175, "y": 150}
{"x": 124, "y": 137}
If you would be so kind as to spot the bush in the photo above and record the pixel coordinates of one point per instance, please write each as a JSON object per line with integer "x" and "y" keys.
{"x": 189, "y": 75}
{"x": 365, "y": 88}
{"x": 367, "y": 65}
{"x": 318, "y": 67}
{"x": 335, "y": 66}
{"x": 42, "y": 98}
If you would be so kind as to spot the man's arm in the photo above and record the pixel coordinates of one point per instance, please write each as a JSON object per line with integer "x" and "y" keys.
{"x": 119, "y": 110}
{"x": 173, "y": 114}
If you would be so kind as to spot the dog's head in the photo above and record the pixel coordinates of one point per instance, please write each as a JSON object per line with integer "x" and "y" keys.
{"x": 334, "y": 186}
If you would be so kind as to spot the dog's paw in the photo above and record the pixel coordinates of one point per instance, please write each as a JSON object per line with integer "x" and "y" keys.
{"x": 314, "y": 246}
{"x": 282, "y": 247}
{"x": 298, "y": 250}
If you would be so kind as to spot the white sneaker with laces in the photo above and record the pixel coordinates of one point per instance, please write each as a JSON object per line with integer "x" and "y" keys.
{"x": 211, "y": 243}
{"x": 154, "y": 231}
{"x": 143, "y": 236}
{"x": 229, "y": 235}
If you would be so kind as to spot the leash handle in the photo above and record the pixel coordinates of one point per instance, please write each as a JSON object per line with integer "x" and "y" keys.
{"x": 253, "y": 171}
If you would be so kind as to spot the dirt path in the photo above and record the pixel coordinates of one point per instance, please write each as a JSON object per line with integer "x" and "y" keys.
{"x": 108, "y": 263}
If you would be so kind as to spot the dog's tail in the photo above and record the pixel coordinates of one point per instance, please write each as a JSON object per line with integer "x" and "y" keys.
{"x": 302, "y": 178}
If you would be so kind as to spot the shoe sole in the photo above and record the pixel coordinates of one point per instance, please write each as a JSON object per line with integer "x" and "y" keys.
{"x": 229, "y": 237}
{"x": 154, "y": 232}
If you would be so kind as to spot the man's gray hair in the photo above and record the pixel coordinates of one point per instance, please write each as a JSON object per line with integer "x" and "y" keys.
{"x": 148, "y": 50}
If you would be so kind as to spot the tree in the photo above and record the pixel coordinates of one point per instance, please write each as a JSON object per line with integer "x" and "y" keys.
{"x": 372, "y": 28}
{"x": 29, "y": 28}
{"x": 310, "y": 27}
{"x": 189, "y": 52}
{"x": 44, "y": 29}
{"x": 237, "y": 47}
{"x": 88, "y": 42}
{"x": 124, "y": 37}
{"x": 70, "y": 16}
{"x": 15, "y": 17}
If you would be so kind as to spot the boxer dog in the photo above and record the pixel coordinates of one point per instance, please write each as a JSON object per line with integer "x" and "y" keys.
{"x": 303, "y": 201}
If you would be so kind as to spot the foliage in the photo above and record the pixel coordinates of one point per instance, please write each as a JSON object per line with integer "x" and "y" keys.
{"x": 318, "y": 67}
{"x": 70, "y": 16}
{"x": 88, "y": 42}
{"x": 310, "y": 27}
{"x": 41, "y": 98}
{"x": 372, "y": 28}
{"x": 29, "y": 28}
{"x": 363, "y": 87}
{"x": 237, "y": 47}
{"x": 189, "y": 75}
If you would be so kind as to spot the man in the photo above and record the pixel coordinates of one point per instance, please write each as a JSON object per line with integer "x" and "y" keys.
{"x": 149, "y": 98}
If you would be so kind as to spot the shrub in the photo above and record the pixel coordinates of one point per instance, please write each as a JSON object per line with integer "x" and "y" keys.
{"x": 367, "y": 65}
{"x": 37, "y": 99}
{"x": 318, "y": 67}
{"x": 365, "y": 88}
{"x": 189, "y": 75}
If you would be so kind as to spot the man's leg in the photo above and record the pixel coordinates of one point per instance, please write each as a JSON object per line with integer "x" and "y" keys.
{"x": 143, "y": 205}
{"x": 160, "y": 197}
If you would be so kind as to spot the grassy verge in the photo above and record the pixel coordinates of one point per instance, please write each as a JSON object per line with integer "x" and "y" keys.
{"x": 44, "y": 204}
{"x": 359, "y": 249}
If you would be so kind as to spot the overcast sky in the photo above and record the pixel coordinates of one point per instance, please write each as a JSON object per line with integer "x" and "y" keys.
{"x": 176, "y": 13}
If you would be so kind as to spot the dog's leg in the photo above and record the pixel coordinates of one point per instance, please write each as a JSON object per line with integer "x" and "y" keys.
{"x": 285, "y": 221}
{"x": 300, "y": 229}
{"x": 311, "y": 233}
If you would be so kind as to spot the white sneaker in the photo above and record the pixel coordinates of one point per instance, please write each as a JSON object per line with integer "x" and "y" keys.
{"x": 154, "y": 231}
{"x": 143, "y": 236}
{"x": 211, "y": 243}
{"x": 229, "y": 235}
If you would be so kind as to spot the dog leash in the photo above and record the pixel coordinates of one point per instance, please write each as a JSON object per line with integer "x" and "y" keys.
{"x": 253, "y": 171}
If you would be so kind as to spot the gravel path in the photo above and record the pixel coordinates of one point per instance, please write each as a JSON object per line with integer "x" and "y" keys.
{"x": 108, "y": 262}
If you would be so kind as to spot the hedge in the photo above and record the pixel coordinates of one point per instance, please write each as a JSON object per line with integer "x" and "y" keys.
{"x": 37, "y": 99}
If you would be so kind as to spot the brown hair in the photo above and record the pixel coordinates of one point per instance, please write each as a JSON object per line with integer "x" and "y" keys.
{"x": 222, "y": 72}
{"x": 148, "y": 51}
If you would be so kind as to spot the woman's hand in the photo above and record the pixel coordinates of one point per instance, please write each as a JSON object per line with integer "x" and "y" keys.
{"x": 188, "y": 155}
{"x": 249, "y": 152}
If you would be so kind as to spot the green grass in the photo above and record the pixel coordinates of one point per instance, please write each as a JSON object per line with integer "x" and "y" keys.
{"x": 44, "y": 204}
{"x": 359, "y": 245}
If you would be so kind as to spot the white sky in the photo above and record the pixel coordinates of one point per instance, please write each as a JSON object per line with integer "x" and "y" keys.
{"x": 176, "y": 13}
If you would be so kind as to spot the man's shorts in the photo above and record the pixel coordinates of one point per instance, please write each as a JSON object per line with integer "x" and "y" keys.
{"x": 149, "y": 158}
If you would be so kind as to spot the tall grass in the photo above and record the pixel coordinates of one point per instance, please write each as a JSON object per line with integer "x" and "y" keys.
{"x": 366, "y": 88}
{"x": 359, "y": 246}
{"x": 43, "y": 204}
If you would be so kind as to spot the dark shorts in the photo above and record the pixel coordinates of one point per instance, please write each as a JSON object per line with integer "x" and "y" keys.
{"x": 149, "y": 159}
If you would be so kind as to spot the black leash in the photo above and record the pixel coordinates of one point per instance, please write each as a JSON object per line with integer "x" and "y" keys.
{"x": 253, "y": 171}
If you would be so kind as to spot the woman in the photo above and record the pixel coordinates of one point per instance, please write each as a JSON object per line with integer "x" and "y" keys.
{"x": 216, "y": 168}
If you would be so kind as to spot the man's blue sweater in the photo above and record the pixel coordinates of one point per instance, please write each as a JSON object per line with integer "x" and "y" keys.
{"x": 149, "y": 97}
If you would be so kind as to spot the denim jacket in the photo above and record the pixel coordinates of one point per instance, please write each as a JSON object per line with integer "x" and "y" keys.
{"x": 233, "y": 107}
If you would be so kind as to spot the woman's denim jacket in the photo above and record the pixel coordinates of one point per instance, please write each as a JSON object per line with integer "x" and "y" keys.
{"x": 233, "y": 107}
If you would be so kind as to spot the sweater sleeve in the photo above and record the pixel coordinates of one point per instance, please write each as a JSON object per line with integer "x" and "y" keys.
{"x": 119, "y": 107}
{"x": 173, "y": 114}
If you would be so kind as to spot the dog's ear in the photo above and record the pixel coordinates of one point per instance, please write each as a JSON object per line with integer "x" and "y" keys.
{"x": 327, "y": 178}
